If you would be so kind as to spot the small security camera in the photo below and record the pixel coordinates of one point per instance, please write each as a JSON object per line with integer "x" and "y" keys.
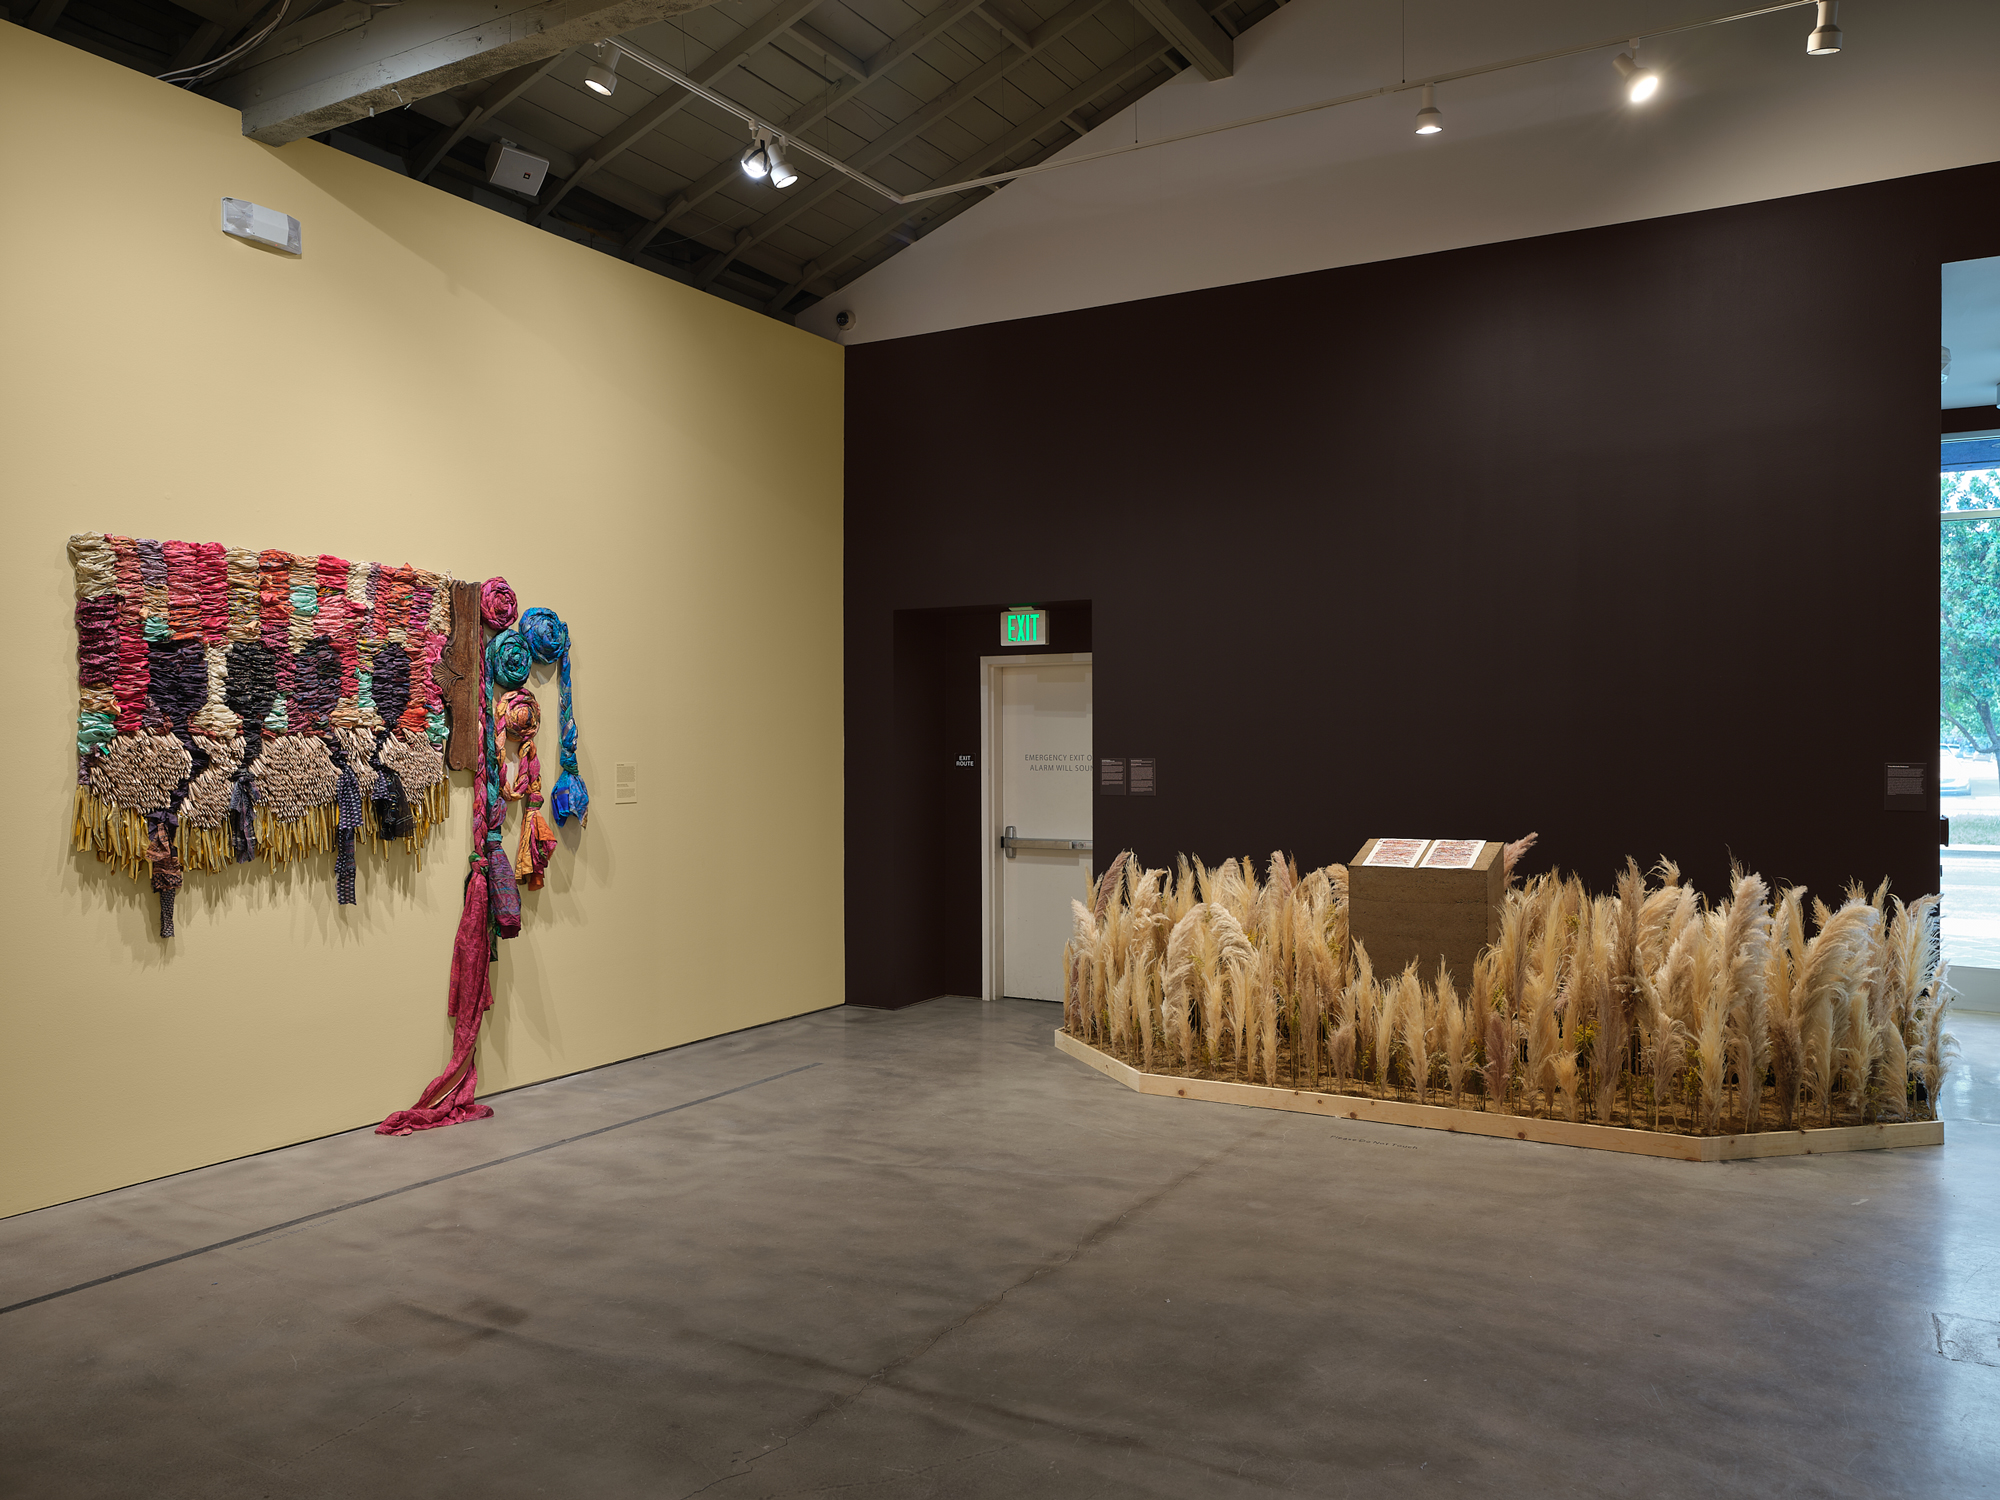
{"x": 844, "y": 320}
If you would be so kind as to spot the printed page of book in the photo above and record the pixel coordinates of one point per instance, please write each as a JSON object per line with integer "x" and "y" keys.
{"x": 1404, "y": 854}
{"x": 1454, "y": 854}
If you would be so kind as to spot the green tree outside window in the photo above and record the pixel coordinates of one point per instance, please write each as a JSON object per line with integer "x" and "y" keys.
{"x": 1969, "y": 613}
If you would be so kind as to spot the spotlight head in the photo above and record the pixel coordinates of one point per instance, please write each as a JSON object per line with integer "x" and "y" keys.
{"x": 1430, "y": 120}
{"x": 1640, "y": 83}
{"x": 756, "y": 158}
{"x": 601, "y": 77}
{"x": 1825, "y": 40}
{"x": 782, "y": 175}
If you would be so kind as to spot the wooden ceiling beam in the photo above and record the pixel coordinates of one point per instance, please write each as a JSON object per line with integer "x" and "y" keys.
{"x": 1194, "y": 35}
{"x": 293, "y": 87}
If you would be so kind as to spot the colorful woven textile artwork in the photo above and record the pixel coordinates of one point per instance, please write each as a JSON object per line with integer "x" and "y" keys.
{"x": 237, "y": 704}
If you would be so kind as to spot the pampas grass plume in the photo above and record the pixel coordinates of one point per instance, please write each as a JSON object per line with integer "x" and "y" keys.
{"x": 1413, "y": 1021}
{"x": 1451, "y": 1015}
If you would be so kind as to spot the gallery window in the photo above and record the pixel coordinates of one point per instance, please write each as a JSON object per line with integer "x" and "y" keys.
{"x": 1969, "y": 697}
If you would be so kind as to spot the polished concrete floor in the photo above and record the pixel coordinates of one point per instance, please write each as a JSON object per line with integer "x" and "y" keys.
{"x": 922, "y": 1254}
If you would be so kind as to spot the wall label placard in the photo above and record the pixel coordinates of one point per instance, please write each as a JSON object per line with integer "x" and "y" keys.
{"x": 1111, "y": 775}
{"x": 1905, "y": 786}
{"x": 1024, "y": 625}
{"x": 627, "y": 781}
{"x": 1144, "y": 780}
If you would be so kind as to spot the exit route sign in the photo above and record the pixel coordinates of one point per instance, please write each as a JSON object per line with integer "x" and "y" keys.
{"x": 1024, "y": 627}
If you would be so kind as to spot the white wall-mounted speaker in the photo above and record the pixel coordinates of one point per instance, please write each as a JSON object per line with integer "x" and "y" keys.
{"x": 508, "y": 166}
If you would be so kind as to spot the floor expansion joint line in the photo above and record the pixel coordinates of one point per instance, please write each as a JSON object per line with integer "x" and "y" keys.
{"x": 341, "y": 1208}
{"x": 841, "y": 1400}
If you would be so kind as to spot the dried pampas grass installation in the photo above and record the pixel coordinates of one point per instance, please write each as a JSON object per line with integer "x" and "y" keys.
{"x": 1646, "y": 1008}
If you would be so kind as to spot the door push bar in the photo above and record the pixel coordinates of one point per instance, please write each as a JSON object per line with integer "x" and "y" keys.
{"x": 1064, "y": 846}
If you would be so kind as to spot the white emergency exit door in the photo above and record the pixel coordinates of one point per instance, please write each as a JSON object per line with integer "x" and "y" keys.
{"x": 1038, "y": 782}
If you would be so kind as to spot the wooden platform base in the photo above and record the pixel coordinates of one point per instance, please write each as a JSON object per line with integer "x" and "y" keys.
{"x": 1515, "y": 1127}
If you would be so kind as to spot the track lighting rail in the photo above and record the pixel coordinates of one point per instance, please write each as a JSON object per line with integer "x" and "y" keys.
{"x": 1355, "y": 98}
{"x": 758, "y": 124}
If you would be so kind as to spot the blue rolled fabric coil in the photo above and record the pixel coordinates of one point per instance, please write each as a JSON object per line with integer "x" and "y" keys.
{"x": 507, "y": 659}
{"x": 547, "y": 640}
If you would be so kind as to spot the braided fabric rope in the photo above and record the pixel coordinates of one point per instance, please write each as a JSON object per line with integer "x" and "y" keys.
{"x": 235, "y": 704}
{"x": 506, "y": 666}
{"x": 520, "y": 715}
{"x": 509, "y": 713}
{"x": 492, "y": 909}
{"x": 547, "y": 640}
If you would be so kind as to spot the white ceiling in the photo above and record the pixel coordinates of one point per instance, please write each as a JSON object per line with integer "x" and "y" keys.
{"x": 1971, "y": 331}
{"x": 1744, "y": 115}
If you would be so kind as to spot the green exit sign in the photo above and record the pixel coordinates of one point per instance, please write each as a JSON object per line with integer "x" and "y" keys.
{"x": 1024, "y": 627}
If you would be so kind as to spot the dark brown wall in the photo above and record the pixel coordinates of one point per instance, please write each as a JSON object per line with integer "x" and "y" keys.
{"x": 1626, "y": 536}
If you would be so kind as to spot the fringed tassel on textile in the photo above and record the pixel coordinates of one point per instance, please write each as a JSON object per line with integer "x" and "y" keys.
{"x": 242, "y": 820}
{"x": 283, "y": 840}
{"x": 391, "y": 807}
{"x": 119, "y": 837}
{"x": 166, "y": 872}
{"x": 206, "y": 848}
{"x": 116, "y": 835}
{"x": 348, "y": 794}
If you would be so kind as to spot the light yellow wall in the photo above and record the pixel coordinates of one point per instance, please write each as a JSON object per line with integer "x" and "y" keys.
{"x": 431, "y": 383}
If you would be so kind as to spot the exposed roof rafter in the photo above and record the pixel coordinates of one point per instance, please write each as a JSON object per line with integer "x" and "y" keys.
{"x": 1194, "y": 35}
{"x": 332, "y": 71}
{"x": 497, "y": 95}
{"x": 900, "y": 134}
{"x": 673, "y": 98}
{"x": 808, "y": 115}
{"x": 1137, "y": 60}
